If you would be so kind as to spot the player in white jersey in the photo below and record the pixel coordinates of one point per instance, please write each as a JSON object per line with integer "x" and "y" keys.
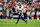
{"x": 21, "y": 11}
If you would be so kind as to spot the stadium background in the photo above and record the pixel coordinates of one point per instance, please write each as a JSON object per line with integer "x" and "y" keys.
{"x": 6, "y": 12}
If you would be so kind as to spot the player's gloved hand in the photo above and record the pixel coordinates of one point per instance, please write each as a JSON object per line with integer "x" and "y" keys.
{"x": 22, "y": 14}
{"x": 16, "y": 11}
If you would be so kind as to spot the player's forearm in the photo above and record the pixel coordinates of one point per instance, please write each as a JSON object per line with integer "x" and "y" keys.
{"x": 16, "y": 10}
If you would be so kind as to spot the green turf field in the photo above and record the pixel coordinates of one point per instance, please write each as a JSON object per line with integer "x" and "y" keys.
{"x": 11, "y": 23}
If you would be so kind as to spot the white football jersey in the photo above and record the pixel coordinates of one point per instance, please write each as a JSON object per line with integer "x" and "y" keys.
{"x": 20, "y": 7}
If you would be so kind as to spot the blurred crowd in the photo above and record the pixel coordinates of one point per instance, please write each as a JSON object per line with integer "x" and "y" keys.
{"x": 30, "y": 5}
{"x": 6, "y": 4}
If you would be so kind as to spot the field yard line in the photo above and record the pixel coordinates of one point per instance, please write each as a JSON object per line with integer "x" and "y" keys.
{"x": 16, "y": 21}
